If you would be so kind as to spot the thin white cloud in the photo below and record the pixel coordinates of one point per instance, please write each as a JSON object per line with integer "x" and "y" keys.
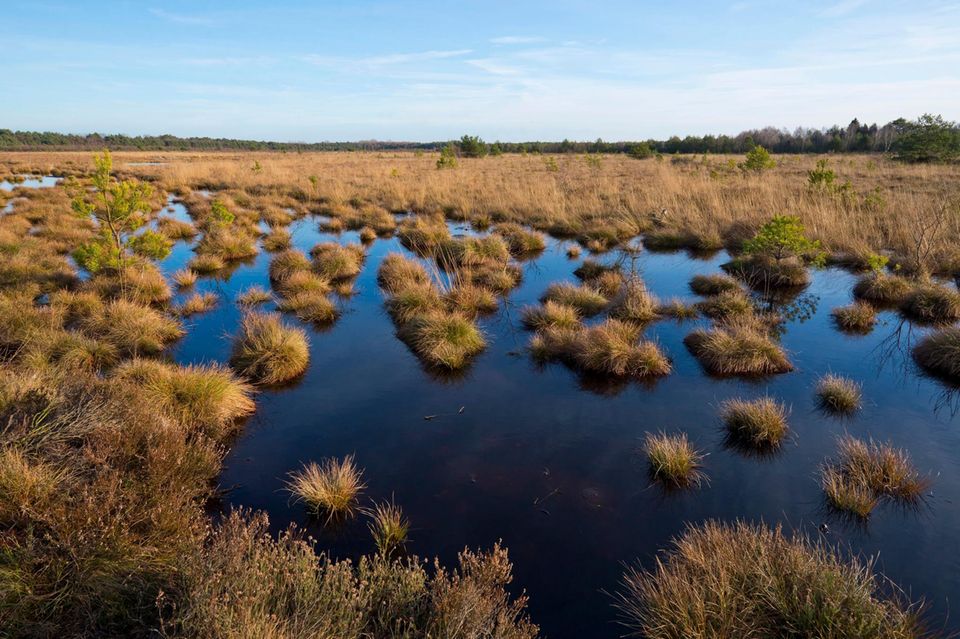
{"x": 842, "y": 8}
{"x": 386, "y": 59}
{"x": 516, "y": 40}
{"x": 180, "y": 18}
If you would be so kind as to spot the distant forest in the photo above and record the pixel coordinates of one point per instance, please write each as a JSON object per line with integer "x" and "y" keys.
{"x": 856, "y": 137}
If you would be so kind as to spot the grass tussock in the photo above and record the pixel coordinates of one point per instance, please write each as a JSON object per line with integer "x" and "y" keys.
{"x": 133, "y": 329}
{"x": 521, "y": 241}
{"x": 278, "y": 239}
{"x": 673, "y": 460}
{"x": 713, "y": 284}
{"x": 587, "y": 300}
{"x": 207, "y": 398}
{"x": 176, "y": 229}
{"x": 859, "y": 317}
{"x": 184, "y": 278}
{"x": 884, "y": 290}
{"x": 726, "y": 305}
{"x": 441, "y": 339}
{"x": 837, "y": 394}
{"x": 331, "y": 487}
{"x": 748, "y": 580}
{"x": 334, "y": 261}
{"x": 635, "y": 303}
{"x": 550, "y": 314}
{"x": 367, "y": 235}
{"x": 397, "y": 272}
{"x": 939, "y": 353}
{"x": 866, "y": 471}
{"x": 612, "y": 348}
{"x": 932, "y": 303}
{"x": 762, "y": 273}
{"x": 760, "y": 423}
{"x": 286, "y": 263}
{"x": 268, "y": 351}
{"x": 254, "y": 296}
{"x": 738, "y": 348}
{"x": 471, "y": 300}
{"x": 206, "y": 264}
{"x": 310, "y": 306}
{"x": 197, "y": 303}
{"x": 389, "y": 528}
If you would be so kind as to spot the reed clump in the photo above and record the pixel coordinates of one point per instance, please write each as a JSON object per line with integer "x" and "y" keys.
{"x": 738, "y": 348}
{"x": 836, "y": 394}
{"x": 331, "y": 487}
{"x": 673, "y": 460}
{"x": 760, "y": 423}
{"x": 859, "y": 317}
{"x": 550, "y": 314}
{"x": 932, "y": 303}
{"x": 713, "y": 284}
{"x": 267, "y": 351}
{"x": 588, "y": 301}
{"x": 939, "y": 353}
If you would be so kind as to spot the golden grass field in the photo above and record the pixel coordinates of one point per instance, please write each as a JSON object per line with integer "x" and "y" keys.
{"x": 693, "y": 201}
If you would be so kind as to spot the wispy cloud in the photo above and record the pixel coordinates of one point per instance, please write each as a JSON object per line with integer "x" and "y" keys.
{"x": 180, "y": 18}
{"x": 842, "y": 8}
{"x": 386, "y": 59}
{"x": 516, "y": 40}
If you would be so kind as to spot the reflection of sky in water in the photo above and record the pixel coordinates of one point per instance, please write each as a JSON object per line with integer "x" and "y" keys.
{"x": 544, "y": 434}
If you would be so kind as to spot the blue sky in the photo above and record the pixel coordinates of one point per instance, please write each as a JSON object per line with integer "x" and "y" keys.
{"x": 519, "y": 70}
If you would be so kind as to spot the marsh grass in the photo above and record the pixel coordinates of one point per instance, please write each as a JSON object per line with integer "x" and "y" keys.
{"x": 413, "y": 301}
{"x": 938, "y": 353}
{"x": 522, "y": 242}
{"x": 725, "y": 305}
{"x": 932, "y": 303}
{"x": 673, "y": 460}
{"x": 677, "y": 309}
{"x": 441, "y": 339}
{"x": 471, "y": 300}
{"x": 635, "y": 303}
{"x": 268, "y": 351}
{"x": 587, "y": 300}
{"x": 367, "y": 235}
{"x": 286, "y": 263}
{"x": 859, "y": 317}
{"x": 310, "y": 306}
{"x": 884, "y": 290}
{"x": 197, "y": 303}
{"x": 184, "y": 278}
{"x": 760, "y": 423}
{"x": 846, "y": 495}
{"x": 397, "y": 272}
{"x": 738, "y": 348}
{"x": 838, "y": 395}
{"x": 550, "y": 314}
{"x": 176, "y": 229}
{"x": 748, "y": 580}
{"x": 331, "y": 487}
{"x": 279, "y": 239}
{"x": 204, "y": 264}
{"x": 334, "y": 262}
{"x": 389, "y": 528}
{"x": 762, "y": 273}
{"x": 133, "y": 329}
{"x": 713, "y": 284}
{"x": 613, "y": 348}
{"x": 254, "y": 296}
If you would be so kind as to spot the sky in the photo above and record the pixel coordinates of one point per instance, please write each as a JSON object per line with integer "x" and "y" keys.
{"x": 507, "y": 70}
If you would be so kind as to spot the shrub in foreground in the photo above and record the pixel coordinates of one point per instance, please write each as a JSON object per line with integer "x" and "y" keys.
{"x": 268, "y": 351}
{"x": 747, "y": 580}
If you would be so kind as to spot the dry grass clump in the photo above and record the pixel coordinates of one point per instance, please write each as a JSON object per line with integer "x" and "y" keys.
{"x": 588, "y": 301}
{"x": 176, "y": 229}
{"x": 762, "y": 273}
{"x": 550, "y": 314}
{"x": 423, "y": 235}
{"x": 677, "y": 309}
{"x": 445, "y": 340}
{"x": 609, "y": 283}
{"x": 248, "y": 583}
{"x": 207, "y": 263}
{"x": 396, "y": 272}
{"x": 761, "y": 423}
{"x": 208, "y": 398}
{"x": 184, "y": 278}
{"x": 27, "y": 486}
{"x": 867, "y": 469}
{"x": 612, "y": 348}
{"x": 367, "y": 235}
{"x": 144, "y": 285}
{"x": 939, "y": 353}
{"x": 268, "y": 351}
{"x": 932, "y": 303}
{"x": 497, "y": 278}
{"x": 227, "y": 243}
{"x": 522, "y": 242}
{"x": 330, "y": 487}
{"x": 473, "y": 252}
{"x": 858, "y": 317}
{"x": 673, "y": 460}
{"x": 573, "y": 251}
{"x": 725, "y": 305}
{"x": 738, "y": 348}
{"x": 885, "y": 290}
{"x": 837, "y": 394}
{"x": 747, "y": 580}
{"x": 389, "y": 528}
{"x": 302, "y": 282}
{"x": 279, "y": 239}
{"x": 309, "y": 306}
{"x": 69, "y": 351}
{"x": 334, "y": 262}
{"x": 413, "y": 301}
{"x": 254, "y": 296}
{"x": 286, "y": 263}
{"x": 471, "y": 300}
{"x": 635, "y": 303}
{"x": 132, "y": 328}
{"x": 197, "y": 303}
{"x": 713, "y": 284}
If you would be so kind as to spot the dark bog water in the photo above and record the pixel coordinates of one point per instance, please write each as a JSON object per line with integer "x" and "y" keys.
{"x": 548, "y": 461}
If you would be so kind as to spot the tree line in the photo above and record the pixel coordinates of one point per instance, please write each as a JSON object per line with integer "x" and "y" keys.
{"x": 929, "y": 138}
